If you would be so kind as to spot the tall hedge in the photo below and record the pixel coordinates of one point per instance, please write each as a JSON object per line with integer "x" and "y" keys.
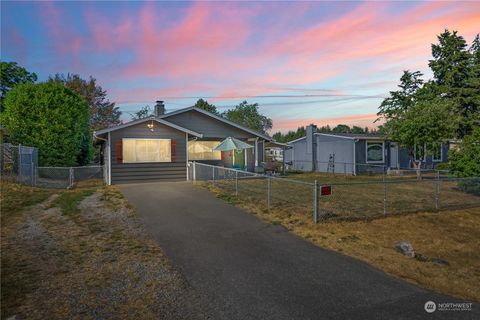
{"x": 51, "y": 117}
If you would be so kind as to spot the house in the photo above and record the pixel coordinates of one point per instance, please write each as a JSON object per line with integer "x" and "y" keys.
{"x": 159, "y": 147}
{"x": 356, "y": 153}
{"x": 274, "y": 153}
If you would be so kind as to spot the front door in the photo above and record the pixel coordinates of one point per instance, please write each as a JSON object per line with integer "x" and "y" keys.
{"x": 394, "y": 155}
{"x": 239, "y": 159}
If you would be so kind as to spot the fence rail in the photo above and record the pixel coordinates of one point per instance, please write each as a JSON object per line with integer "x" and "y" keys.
{"x": 348, "y": 200}
{"x": 349, "y": 168}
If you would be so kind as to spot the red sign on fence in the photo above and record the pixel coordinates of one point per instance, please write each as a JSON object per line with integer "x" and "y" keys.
{"x": 326, "y": 190}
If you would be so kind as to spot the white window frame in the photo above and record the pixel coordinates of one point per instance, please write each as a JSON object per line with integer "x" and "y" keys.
{"x": 123, "y": 150}
{"x": 366, "y": 151}
{"x": 424, "y": 153}
{"x": 441, "y": 154}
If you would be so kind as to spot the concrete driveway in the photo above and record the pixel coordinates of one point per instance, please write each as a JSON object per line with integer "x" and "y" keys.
{"x": 247, "y": 269}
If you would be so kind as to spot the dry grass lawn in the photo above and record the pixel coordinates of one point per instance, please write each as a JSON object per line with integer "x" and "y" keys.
{"x": 355, "y": 197}
{"x": 83, "y": 254}
{"x": 453, "y": 236}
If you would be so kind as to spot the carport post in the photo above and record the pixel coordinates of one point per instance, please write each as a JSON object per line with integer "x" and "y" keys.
{"x": 315, "y": 202}
{"x": 213, "y": 174}
{"x": 194, "y": 172}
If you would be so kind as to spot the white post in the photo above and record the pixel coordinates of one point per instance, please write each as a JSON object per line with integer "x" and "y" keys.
{"x": 194, "y": 171}
{"x": 246, "y": 163}
{"x": 213, "y": 174}
{"x": 256, "y": 152}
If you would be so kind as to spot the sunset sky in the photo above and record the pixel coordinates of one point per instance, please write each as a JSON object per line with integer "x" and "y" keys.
{"x": 303, "y": 62}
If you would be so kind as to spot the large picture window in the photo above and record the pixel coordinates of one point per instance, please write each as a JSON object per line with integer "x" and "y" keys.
{"x": 375, "y": 151}
{"x": 203, "y": 150}
{"x": 147, "y": 150}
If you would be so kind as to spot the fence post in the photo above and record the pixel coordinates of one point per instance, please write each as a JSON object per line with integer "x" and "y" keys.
{"x": 384, "y": 195}
{"x": 71, "y": 177}
{"x": 345, "y": 168}
{"x": 437, "y": 190}
{"x": 236, "y": 183}
{"x": 269, "y": 189}
{"x": 32, "y": 174}
{"x": 315, "y": 202}
{"x": 19, "y": 163}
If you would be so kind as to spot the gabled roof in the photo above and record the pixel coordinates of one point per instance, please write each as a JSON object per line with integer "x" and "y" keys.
{"x": 132, "y": 123}
{"x": 350, "y": 136}
{"x": 219, "y": 118}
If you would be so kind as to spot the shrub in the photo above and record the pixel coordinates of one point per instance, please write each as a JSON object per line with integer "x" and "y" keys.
{"x": 52, "y": 118}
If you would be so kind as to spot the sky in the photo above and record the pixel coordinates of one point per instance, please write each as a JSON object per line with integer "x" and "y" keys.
{"x": 302, "y": 62}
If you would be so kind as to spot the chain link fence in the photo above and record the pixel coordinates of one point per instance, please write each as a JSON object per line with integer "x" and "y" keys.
{"x": 20, "y": 164}
{"x": 364, "y": 169}
{"x": 342, "y": 200}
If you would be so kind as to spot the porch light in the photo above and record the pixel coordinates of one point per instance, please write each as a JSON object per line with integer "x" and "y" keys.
{"x": 150, "y": 125}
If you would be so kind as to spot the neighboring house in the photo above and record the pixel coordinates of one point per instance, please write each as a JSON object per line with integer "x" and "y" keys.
{"x": 158, "y": 148}
{"x": 355, "y": 153}
{"x": 274, "y": 153}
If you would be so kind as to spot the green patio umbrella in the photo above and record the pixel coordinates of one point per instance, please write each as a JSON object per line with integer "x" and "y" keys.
{"x": 230, "y": 144}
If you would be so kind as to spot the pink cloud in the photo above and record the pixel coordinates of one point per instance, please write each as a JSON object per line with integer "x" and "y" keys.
{"x": 362, "y": 120}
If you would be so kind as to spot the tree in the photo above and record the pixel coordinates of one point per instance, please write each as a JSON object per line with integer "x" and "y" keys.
{"x": 401, "y": 100}
{"x": 11, "y": 75}
{"x": 456, "y": 74}
{"x": 102, "y": 112}
{"x": 358, "y": 130}
{"x": 203, "y": 104}
{"x": 247, "y": 115}
{"x": 51, "y": 117}
{"x": 465, "y": 161}
{"x": 341, "y": 128}
{"x": 143, "y": 113}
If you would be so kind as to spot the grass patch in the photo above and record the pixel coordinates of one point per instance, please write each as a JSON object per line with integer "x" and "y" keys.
{"x": 15, "y": 197}
{"x": 68, "y": 201}
{"x": 451, "y": 235}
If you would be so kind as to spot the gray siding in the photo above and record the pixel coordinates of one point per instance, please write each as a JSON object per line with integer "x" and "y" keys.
{"x": 208, "y": 126}
{"x": 342, "y": 149}
{"x": 149, "y": 172}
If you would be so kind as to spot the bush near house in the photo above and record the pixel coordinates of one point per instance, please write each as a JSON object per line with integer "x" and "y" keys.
{"x": 52, "y": 118}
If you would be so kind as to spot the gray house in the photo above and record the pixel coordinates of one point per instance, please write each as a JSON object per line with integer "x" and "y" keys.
{"x": 158, "y": 148}
{"x": 355, "y": 153}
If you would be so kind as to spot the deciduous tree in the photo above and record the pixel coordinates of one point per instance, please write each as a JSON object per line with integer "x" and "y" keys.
{"x": 11, "y": 75}
{"x": 102, "y": 112}
{"x": 248, "y": 115}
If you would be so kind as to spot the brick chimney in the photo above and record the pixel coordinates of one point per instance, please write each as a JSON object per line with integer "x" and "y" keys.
{"x": 159, "y": 108}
